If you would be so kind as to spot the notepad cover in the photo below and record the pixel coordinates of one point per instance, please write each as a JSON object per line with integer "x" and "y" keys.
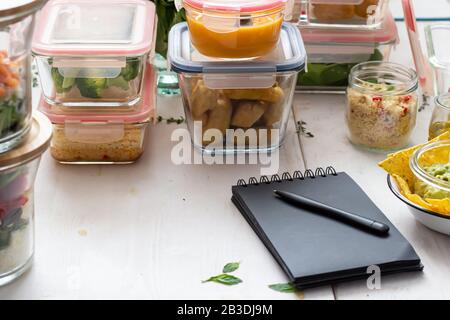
{"x": 315, "y": 249}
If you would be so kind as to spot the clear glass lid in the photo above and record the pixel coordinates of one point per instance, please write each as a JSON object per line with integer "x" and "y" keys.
{"x": 95, "y": 27}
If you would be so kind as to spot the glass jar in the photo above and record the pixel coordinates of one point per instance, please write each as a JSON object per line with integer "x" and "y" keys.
{"x": 382, "y": 105}
{"x": 16, "y": 28}
{"x": 17, "y": 173}
{"x": 235, "y": 29}
{"x": 430, "y": 165}
{"x": 440, "y": 119}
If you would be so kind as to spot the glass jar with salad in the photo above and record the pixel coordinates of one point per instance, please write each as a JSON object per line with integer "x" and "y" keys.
{"x": 340, "y": 14}
{"x": 440, "y": 119}
{"x": 18, "y": 169}
{"x": 16, "y": 28}
{"x": 94, "y": 53}
{"x": 382, "y": 105}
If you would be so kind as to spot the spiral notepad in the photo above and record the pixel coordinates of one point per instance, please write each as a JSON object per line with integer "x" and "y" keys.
{"x": 314, "y": 249}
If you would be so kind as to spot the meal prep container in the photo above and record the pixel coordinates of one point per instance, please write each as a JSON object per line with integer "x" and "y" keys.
{"x": 440, "y": 119}
{"x": 252, "y": 97}
{"x": 16, "y": 28}
{"x": 342, "y": 14}
{"x": 438, "y": 44}
{"x": 94, "y": 53}
{"x": 333, "y": 53}
{"x": 102, "y": 138}
{"x": 382, "y": 105}
{"x": 234, "y": 28}
{"x": 18, "y": 170}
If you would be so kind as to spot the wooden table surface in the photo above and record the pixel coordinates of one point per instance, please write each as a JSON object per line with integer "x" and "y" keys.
{"x": 154, "y": 230}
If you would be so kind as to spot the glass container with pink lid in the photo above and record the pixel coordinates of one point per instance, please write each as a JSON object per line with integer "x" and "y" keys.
{"x": 103, "y": 137}
{"x": 234, "y": 29}
{"x": 93, "y": 53}
{"x": 332, "y": 53}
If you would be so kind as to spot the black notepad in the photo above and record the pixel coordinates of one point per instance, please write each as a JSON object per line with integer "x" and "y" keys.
{"x": 315, "y": 249}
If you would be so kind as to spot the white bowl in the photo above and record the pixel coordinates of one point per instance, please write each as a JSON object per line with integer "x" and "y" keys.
{"x": 435, "y": 221}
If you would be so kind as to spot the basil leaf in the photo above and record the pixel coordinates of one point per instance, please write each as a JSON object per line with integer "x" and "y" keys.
{"x": 283, "y": 287}
{"x": 230, "y": 267}
{"x": 226, "y": 279}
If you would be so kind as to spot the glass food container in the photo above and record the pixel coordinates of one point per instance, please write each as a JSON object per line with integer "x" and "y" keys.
{"x": 102, "y": 138}
{"x": 16, "y": 28}
{"x": 237, "y": 106}
{"x": 430, "y": 165}
{"x": 234, "y": 28}
{"x": 440, "y": 119}
{"x": 438, "y": 44}
{"x": 333, "y": 53}
{"x": 94, "y": 53}
{"x": 18, "y": 169}
{"x": 382, "y": 105}
{"x": 342, "y": 14}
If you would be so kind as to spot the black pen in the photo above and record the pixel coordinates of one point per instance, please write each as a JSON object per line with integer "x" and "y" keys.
{"x": 344, "y": 215}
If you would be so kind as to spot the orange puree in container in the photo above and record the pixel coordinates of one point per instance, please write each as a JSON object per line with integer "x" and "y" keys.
{"x": 256, "y": 38}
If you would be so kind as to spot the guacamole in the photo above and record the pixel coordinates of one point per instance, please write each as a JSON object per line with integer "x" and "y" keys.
{"x": 440, "y": 171}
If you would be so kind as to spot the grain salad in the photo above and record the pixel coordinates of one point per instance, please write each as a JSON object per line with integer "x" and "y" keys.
{"x": 380, "y": 121}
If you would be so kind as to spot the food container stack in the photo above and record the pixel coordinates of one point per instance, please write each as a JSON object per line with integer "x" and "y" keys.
{"x": 340, "y": 34}
{"x": 237, "y": 64}
{"x": 24, "y": 136}
{"x": 98, "y": 88}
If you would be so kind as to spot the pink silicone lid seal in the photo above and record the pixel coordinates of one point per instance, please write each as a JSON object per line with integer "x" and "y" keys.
{"x": 246, "y": 6}
{"x": 145, "y": 111}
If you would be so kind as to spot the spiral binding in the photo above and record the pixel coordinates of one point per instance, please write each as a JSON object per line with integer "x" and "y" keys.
{"x": 286, "y": 176}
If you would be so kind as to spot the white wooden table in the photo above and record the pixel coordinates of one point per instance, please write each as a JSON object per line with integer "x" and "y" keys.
{"x": 154, "y": 230}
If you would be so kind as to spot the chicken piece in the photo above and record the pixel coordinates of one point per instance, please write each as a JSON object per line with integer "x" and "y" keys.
{"x": 366, "y": 8}
{"x": 273, "y": 114}
{"x": 247, "y": 113}
{"x": 220, "y": 116}
{"x": 333, "y": 12}
{"x": 274, "y": 94}
{"x": 202, "y": 99}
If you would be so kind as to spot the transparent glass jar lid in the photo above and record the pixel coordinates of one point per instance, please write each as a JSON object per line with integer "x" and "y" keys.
{"x": 35, "y": 143}
{"x": 95, "y": 27}
{"x": 438, "y": 44}
{"x": 247, "y": 6}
